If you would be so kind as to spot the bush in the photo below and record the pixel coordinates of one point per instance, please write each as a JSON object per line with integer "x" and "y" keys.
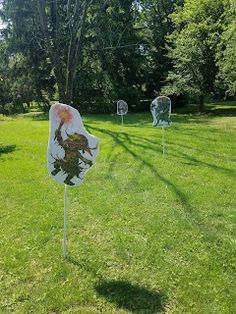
{"x": 11, "y": 108}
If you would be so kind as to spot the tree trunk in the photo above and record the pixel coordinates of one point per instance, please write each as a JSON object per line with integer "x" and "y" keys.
{"x": 201, "y": 106}
{"x": 62, "y": 97}
{"x": 76, "y": 19}
{"x": 74, "y": 49}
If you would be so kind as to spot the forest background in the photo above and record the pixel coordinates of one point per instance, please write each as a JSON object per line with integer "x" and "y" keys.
{"x": 91, "y": 53}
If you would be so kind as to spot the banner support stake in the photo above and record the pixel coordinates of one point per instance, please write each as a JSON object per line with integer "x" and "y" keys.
{"x": 163, "y": 142}
{"x": 65, "y": 218}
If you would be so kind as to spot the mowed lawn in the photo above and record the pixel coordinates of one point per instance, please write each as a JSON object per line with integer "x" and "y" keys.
{"x": 146, "y": 233}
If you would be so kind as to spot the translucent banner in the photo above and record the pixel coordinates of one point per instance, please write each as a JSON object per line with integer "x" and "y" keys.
{"x": 161, "y": 110}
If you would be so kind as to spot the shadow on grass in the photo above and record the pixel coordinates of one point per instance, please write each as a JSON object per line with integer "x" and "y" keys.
{"x": 178, "y": 152}
{"x": 228, "y": 112}
{"x": 185, "y": 115}
{"x": 6, "y": 149}
{"x": 225, "y": 109}
{"x": 212, "y": 111}
{"x": 125, "y": 140}
{"x": 84, "y": 265}
{"x": 128, "y": 142}
{"x": 130, "y": 120}
{"x": 123, "y": 294}
{"x": 131, "y": 297}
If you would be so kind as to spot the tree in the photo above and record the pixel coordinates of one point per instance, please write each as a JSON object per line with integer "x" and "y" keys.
{"x": 64, "y": 25}
{"x": 57, "y": 28}
{"x": 112, "y": 58}
{"x": 26, "y": 70}
{"x": 4, "y": 80}
{"x": 192, "y": 48}
{"x": 156, "y": 24}
{"x": 226, "y": 52}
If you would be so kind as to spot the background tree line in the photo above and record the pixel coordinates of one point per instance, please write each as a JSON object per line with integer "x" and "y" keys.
{"x": 90, "y": 53}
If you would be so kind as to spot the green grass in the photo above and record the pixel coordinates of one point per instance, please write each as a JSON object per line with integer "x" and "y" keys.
{"x": 146, "y": 234}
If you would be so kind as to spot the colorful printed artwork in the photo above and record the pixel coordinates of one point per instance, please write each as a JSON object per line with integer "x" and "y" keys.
{"x": 71, "y": 149}
{"x": 161, "y": 110}
{"x": 122, "y": 107}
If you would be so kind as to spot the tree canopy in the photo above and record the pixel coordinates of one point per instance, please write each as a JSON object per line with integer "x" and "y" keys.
{"x": 90, "y": 53}
{"x": 192, "y": 48}
{"x": 226, "y": 53}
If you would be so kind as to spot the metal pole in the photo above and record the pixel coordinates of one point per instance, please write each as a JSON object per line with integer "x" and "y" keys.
{"x": 163, "y": 142}
{"x": 65, "y": 212}
{"x": 122, "y": 119}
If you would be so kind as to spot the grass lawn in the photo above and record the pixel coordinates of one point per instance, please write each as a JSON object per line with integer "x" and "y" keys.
{"x": 146, "y": 234}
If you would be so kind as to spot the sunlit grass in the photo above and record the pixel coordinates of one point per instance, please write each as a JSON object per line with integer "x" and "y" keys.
{"x": 146, "y": 233}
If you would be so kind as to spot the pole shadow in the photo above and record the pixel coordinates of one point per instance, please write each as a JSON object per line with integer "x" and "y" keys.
{"x": 125, "y": 141}
{"x": 133, "y": 298}
{"x": 85, "y": 265}
{"x": 200, "y": 163}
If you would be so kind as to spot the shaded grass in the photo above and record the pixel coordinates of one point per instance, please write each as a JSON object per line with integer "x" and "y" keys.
{"x": 146, "y": 234}
{"x": 131, "y": 297}
{"x": 6, "y": 149}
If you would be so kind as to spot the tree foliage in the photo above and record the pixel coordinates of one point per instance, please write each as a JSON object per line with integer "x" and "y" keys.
{"x": 54, "y": 30}
{"x": 226, "y": 56}
{"x": 112, "y": 58}
{"x": 157, "y": 24}
{"x": 192, "y": 48}
{"x": 90, "y": 53}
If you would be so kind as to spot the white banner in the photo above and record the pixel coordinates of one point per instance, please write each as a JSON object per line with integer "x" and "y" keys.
{"x": 71, "y": 149}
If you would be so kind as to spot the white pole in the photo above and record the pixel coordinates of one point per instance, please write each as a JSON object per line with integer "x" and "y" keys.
{"x": 163, "y": 142}
{"x": 122, "y": 119}
{"x": 65, "y": 210}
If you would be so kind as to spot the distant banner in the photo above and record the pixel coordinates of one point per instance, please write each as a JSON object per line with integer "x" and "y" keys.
{"x": 71, "y": 149}
{"x": 161, "y": 110}
{"x": 122, "y": 107}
